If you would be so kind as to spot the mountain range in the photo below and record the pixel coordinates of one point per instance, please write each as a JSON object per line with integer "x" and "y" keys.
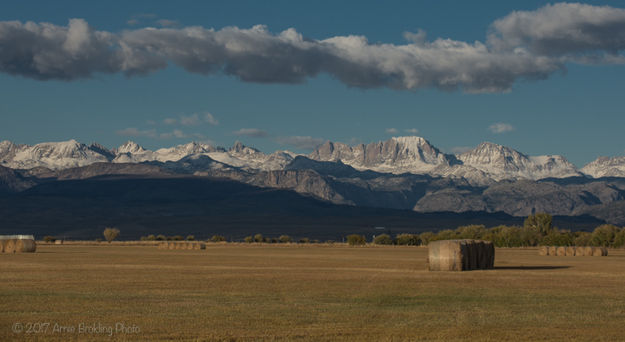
{"x": 402, "y": 173}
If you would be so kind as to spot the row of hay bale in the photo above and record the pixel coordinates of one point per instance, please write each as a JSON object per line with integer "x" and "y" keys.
{"x": 17, "y": 244}
{"x": 181, "y": 245}
{"x": 460, "y": 255}
{"x": 572, "y": 251}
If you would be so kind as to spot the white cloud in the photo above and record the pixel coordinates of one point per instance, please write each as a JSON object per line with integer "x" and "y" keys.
{"x": 391, "y": 131}
{"x": 170, "y": 121}
{"x": 302, "y": 142}
{"x": 251, "y": 132}
{"x": 500, "y": 127}
{"x": 133, "y": 132}
{"x": 189, "y": 120}
{"x": 521, "y": 45}
{"x": 210, "y": 119}
{"x": 411, "y": 130}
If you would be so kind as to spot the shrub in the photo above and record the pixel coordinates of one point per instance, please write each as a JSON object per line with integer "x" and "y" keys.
{"x": 151, "y": 237}
{"x": 143, "y": 238}
{"x": 176, "y": 238}
{"x": 542, "y": 222}
{"x": 383, "y": 239}
{"x": 604, "y": 235}
{"x": 272, "y": 240}
{"x": 356, "y": 240}
{"x": 161, "y": 237}
{"x": 284, "y": 239}
{"x": 219, "y": 238}
{"x": 304, "y": 240}
{"x": 582, "y": 239}
{"x": 98, "y": 240}
{"x": 190, "y": 238}
{"x": 426, "y": 237}
{"x": 248, "y": 239}
{"x": 473, "y": 231}
{"x": 49, "y": 238}
{"x": 619, "y": 239}
{"x": 315, "y": 241}
{"x": 258, "y": 238}
{"x": 110, "y": 234}
{"x": 446, "y": 234}
{"x": 408, "y": 240}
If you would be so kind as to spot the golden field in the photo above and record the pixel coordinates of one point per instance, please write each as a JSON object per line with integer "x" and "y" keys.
{"x": 238, "y": 292}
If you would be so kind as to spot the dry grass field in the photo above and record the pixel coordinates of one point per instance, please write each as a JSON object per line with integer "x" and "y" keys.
{"x": 305, "y": 293}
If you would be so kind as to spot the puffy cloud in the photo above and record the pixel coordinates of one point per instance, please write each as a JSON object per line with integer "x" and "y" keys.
{"x": 210, "y": 119}
{"x": 411, "y": 130}
{"x": 170, "y": 121}
{"x": 500, "y": 127}
{"x": 521, "y": 45}
{"x": 134, "y": 132}
{"x": 302, "y": 142}
{"x": 251, "y": 132}
{"x": 562, "y": 29}
{"x": 391, "y": 131}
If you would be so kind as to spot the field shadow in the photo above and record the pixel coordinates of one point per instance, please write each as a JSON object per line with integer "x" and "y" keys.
{"x": 530, "y": 267}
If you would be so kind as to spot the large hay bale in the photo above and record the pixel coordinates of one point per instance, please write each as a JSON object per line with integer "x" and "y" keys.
{"x": 9, "y": 246}
{"x": 570, "y": 251}
{"x": 460, "y": 255}
{"x": 596, "y": 251}
{"x": 588, "y": 250}
{"x": 604, "y": 251}
{"x": 561, "y": 251}
{"x": 2, "y": 243}
{"x": 543, "y": 250}
{"x": 25, "y": 246}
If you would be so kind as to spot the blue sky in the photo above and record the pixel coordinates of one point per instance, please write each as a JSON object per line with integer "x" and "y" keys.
{"x": 577, "y": 112}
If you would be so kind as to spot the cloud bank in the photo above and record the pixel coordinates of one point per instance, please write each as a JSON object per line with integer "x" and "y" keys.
{"x": 521, "y": 45}
{"x": 500, "y": 127}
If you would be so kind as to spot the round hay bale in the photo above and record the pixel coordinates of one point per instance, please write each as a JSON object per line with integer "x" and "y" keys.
{"x": 553, "y": 250}
{"x": 25, "y": 246}
{"x": 9, "y": 246}
{"x": 580, "y": 251}
{"x": 596, "y": 251}
{"x": 570, "y": 251}
{"x": 2, "y": 243}
{"x": 588, "y": 250}
{"x": 561, "y": 251}
{"x": 58, "y": 242}
{"x": 604, "y": 251}
{"x": 543, "y": 250}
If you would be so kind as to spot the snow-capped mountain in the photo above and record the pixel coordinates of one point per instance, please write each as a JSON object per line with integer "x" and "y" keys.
{"x": 500, "y": 162}
{"x": 55, "y": 155}
{"x": 485, "y": 164}
{"x": 396, "y": 155}
{"x": 605, "y": 167}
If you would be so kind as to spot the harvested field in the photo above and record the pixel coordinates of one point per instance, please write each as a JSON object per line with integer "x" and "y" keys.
{"x": 240, "y": 292}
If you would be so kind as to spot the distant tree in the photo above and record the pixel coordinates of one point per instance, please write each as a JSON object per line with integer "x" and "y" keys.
{"x": 426, "y": 237}
{"x": 304, "y": 240}
{"x": 249, "y": 239}
{"x": 110, "y": 233}
{"x": 258, "y": 238}
{"x": 604, "y": 235}
{"x": 446, "y": 234}
{"x": 176, "y": 238}
{"x": 473, "y": 231}
{"x": 542, "y": 222}
{"x": 408, "y": 239}
{"x": 143, "y": 238}
{"x": 582, "y": 239}
{"x": 190, "y": 238}
{"x": 356, "y": 240}
{"x": 284, "y": 239}
{"x": 383, "y": 239}
{"x": 161, "y": 237}
{"x": 151, "y": 237}
{"x": 619, "y": 239}
{"x": 218, "y": 238}
{"x": 49, "y": 238}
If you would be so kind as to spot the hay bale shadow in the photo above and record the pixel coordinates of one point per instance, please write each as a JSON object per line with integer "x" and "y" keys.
{"x": 530, "y": 267}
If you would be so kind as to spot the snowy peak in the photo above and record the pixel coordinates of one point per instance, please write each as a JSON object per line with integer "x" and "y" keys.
{"x": 396, "y": 155}
{"x": 605, "y": 167}
{"x": 501, "y": 162}
{"x": 52, "y": 155}
{"x": 130, "y": 147}
{"x": 239, "y": 148}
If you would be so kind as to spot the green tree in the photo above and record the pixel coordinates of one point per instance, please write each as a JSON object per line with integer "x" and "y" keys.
{"x": 356, "y": 240}
{"x": 604, "y": 235}
{"x": 258, "y": 238}
{"x": 473, "y": 231}
{"x": 542, "y": 222}
{"x": 249, "y": 239}
{"x": 218, "y": 238}
{"x": 582, "y": 238}
{"x": 110, "y": 233}
{"x": 284, "y": 239}
{"x": 161, "y": 237}
{"x": 383, "y": 239}
{"x": 426, "y": 237}
{"x": 190, "y": 238}
{"x": 408, "y": 239}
